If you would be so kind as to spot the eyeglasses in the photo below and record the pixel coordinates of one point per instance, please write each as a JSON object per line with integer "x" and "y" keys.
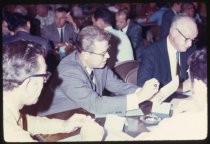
{"x": 46, "y": 77}
{"x": 186, "y": 39}
{"x": 103, "y": 54}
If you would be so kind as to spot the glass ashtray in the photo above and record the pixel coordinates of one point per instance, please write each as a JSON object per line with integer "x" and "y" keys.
{"x": 150, "y": 119}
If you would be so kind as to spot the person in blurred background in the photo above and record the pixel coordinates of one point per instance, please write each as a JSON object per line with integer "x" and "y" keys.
{"x": 132, "y": 30}
{"x": 121, "y": 48}
{"x": 63, "y": 32}
{"x": 44, "y": 14}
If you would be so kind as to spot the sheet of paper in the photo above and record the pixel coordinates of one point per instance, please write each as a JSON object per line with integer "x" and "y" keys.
{"x": 114, "y": 122}
{"x": 117, "y": 136}
{"x": 163, "y": 108}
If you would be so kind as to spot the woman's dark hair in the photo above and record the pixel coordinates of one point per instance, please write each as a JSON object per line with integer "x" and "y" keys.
{"x": 198, "y": 65}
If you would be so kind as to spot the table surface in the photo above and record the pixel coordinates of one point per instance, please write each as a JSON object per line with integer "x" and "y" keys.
{"x": 135, "y": 125}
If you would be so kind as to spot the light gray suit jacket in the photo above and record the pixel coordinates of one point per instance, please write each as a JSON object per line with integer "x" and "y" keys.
{"x": 51, "y": 32}
{"x": 72, "y": 88}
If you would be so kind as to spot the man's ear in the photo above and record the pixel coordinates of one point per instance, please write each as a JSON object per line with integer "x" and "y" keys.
{"x": 128, "y": 21}
{"x": 173, "y": 32}
{"x": 28, "y": 24}
{"x": 25, "y": 84}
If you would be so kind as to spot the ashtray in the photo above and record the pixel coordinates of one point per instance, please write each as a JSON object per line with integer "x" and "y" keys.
{"x": 150, "y": 119}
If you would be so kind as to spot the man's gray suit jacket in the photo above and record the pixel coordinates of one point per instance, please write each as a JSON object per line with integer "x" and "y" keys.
{"x": 72, "y": 88}
{"x": 51, "y": 32}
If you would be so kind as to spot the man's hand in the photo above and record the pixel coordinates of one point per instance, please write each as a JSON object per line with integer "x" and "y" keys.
{"x": 166, "y": 91}
{"x": 70, "y": 20}
{"x": 91, "y": 131}
{"x": 149, "y": 88}
{"x": 76, "y": 121}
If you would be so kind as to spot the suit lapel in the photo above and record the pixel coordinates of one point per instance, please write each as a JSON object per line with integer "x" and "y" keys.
{"x": 165, "y": 58}
{"x": 56, "y": 33}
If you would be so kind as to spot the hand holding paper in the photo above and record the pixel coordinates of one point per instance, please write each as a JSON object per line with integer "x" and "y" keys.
{"x": 148, "y": 90}
{"x": 166, "y": 91}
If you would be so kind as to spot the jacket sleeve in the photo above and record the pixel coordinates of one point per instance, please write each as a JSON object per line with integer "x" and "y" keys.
{"x": 77, "y": 88}
{"x": 146, "y": 68}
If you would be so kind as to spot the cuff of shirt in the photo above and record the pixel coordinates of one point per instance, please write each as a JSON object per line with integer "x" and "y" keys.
{"x": 133, "y": 101}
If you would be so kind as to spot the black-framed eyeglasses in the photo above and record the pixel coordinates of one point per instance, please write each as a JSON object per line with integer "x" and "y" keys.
{"x": 186, "y": 39}
{"x": 102, "y": 54}
{"x": 46, "y": 77}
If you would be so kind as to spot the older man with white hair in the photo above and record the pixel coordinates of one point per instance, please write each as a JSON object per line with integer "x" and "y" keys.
{"x": 166, "y": 59}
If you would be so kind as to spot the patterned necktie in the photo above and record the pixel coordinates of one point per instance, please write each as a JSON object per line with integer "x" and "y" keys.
{"x": 61, "y": 36}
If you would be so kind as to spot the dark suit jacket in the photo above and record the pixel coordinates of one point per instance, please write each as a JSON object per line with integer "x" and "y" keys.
{"x": 72, "y": 88}
{"x": 155, "y": 64}
{"x": 51, "y": 32}
{"x": 166, "y": 22}
{"x": 134, "y": 33}
{"x": 21, "y": 35}
{"x": 50, "y": 58}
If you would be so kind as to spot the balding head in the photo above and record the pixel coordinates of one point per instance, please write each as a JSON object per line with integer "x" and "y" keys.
{"x": 182, "y": 32}
{"x": 185, "y": 23}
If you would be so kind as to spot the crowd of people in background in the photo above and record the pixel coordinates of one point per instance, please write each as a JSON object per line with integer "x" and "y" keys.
{"x": 46, "y": 19}
{"x": 80, "y": 44}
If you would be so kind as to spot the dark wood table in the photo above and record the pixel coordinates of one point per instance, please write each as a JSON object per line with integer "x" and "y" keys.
{"x": 135, "y": 125}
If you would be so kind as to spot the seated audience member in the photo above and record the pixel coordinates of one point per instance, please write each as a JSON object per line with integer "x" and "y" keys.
{"x": 175, "y": 8}
{"x": 158, "y": 15}
{"x": 167, "y": 58}
{"x": 83, "y": 75}
{"x": 63, "y": 31}
{"x": 6, "y": 32}
{"x": 35, "y": 23}
{"x": 121, "y": 49}
{"x": 132, "y": 29}
{"x": 24, "y": 74}
{"x": 44, "y": 15}
{"x": 188, "y": 9}
{"x": 189, "y": 121}
{"x": 21, "y": 26}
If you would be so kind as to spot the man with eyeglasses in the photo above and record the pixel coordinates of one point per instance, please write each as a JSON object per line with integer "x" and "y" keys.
{"x": 24, "y": 72}
{"x": 73, "y": 86}
{"x": 166, "y": 59}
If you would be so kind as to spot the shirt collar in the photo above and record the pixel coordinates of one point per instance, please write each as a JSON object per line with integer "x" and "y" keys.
{"x": 125, "y": 28}
{"x": 171, "y": 48}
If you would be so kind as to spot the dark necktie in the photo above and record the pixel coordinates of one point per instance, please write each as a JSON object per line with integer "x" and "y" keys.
{"x": 177, "y": 63}
{"x": 61, "y": 35}
{"x": 91, "y": 78}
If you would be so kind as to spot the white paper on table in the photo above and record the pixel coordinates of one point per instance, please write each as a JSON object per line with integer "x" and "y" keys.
{"x": 118, "y": 136}
{"x": 71, "y": 139}
{"x": 163, "y": 108}
{"x": 114, "y": 122}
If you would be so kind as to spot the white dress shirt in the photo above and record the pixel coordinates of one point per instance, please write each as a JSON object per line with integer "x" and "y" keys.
{"x": 125, "y": 51}
{"x": 124, "y": 30}
{"x": 172, "y": 58}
